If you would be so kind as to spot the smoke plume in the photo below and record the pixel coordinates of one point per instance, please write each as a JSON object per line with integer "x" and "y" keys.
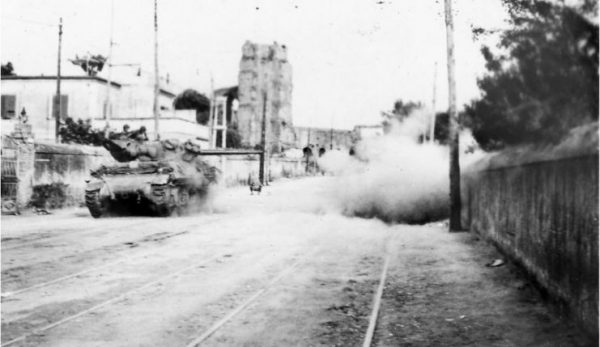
{"x": 393, "y": 177}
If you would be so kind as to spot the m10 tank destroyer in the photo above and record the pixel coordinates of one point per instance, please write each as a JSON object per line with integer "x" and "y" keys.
{"x": 152, "y": 177}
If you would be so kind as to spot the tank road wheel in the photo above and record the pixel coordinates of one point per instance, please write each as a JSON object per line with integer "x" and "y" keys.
{"x": 95, "y": 204}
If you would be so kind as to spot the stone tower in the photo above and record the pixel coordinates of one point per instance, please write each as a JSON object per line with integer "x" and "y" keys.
{"x": 265, "y": 70}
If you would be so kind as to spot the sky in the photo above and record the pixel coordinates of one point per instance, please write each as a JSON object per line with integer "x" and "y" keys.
{"x": 351, "y": 59}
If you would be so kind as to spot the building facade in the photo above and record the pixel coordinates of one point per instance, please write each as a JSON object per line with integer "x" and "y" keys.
{"x": 265, "y": 85}
{"x": 92, "y": 97}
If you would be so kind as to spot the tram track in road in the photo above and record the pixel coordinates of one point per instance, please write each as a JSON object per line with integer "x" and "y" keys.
{"x": 233, "y": 242}
{"x": 151, "y": 230}
{"x": 165, "y": 280}
{"x": 241, "y": 307}
{"x": 368, "y": 341}
{"x": 112, "y": 223}
{"x": 113, "y": 300}
{"x": 160, "y": 236}
{"x": 67, "y": 277}
{"x": 25, "y": 242}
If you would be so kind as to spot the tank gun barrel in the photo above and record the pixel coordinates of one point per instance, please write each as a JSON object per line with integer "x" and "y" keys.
{"x": 230, "y": 151}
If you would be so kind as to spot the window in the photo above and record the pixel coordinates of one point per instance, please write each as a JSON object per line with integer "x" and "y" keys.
{"x": 8, "y": 106}
{"x": 64, "y": 106}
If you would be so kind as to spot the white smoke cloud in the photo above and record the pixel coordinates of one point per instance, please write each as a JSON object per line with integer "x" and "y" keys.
{"x": 396, "y": 178}
{"x": 393, "y": 177}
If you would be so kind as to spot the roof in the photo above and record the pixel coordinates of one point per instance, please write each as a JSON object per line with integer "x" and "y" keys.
{"x": 82, "y": 78}
{"x": 166, "y": 92}
{"x": 227, "y": 91}
{"x": 89, "y": 78}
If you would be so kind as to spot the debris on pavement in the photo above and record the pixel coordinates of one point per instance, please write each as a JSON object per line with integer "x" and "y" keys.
{"x": 495, "y": 263}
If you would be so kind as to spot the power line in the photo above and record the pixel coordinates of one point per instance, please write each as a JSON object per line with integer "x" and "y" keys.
{"x": 29, "y": 21}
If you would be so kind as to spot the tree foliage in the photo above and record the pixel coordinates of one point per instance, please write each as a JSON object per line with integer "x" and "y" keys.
{"x": 542, "y": 78}
{"x": 80, "y": 132}
{"x": 190, "y": 99}
{"x": 90, "y": 64}
{"x": 7, "y": 69}
{"x": 399, "y": 113}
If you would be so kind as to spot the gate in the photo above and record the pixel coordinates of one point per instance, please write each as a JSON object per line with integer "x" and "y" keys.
{"x": 9, "y": 180}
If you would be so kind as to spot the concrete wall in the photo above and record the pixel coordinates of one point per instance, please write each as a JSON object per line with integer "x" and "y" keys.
{"x": 70, "y": 165}
{"x": 544, "y": 215}
{"x": 237, "y": 170}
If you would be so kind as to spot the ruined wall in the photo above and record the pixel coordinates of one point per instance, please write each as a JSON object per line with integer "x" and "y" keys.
{"x": 545, "y": 216}
{"x": 265, "y": 69}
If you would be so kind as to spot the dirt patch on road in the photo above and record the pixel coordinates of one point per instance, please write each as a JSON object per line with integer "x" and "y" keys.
{"x": 348, "y": 321}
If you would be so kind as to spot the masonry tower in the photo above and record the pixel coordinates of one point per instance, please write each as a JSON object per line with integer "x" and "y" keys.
{"x": 265, "y": 69}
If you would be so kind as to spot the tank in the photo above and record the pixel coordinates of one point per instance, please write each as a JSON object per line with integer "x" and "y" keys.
{"x": 151, "y": 177}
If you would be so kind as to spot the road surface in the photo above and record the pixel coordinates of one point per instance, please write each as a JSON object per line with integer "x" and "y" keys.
{"x": 283, "y": 268}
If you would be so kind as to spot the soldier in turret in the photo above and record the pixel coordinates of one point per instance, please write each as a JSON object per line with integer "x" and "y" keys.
{"x": 139, "y": 135}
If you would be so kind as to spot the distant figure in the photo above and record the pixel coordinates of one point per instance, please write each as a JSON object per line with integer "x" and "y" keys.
{"x": 255, "y": 188}
{"x": 254, "y": 185}
{"x": 126, "y": 129}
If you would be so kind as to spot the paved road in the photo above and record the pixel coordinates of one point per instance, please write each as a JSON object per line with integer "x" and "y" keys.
{"x": 280, "y": 269}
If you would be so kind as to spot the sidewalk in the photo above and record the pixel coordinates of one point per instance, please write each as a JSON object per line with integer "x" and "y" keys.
{"x": 440, "y": 292}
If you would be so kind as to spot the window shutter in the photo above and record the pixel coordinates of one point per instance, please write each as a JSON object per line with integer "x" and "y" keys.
{"x": 8, "y": 106}
{"x": 64, "y": 106}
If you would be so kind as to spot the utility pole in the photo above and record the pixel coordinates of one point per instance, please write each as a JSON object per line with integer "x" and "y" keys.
{"x": 155, "y": 107}
{"x": 263, "y": 142}
{"x": 432, "y": 123}
{"x": 455, "y": 203}
{"x": 58, "y": 103}
{"x": 308, "y": 155}
{"x": 211, "y": 113}
{"x": 109, "y": 62}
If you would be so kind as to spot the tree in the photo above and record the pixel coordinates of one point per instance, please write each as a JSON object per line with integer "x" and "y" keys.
{"x": 542, "y": 78}
{"x": 80, "y": 132}
{"x": 7, "y": 69}
{"x": 399, "y": 113}
{"x": 90, "y": 64}
{"x": 190, "y": 99}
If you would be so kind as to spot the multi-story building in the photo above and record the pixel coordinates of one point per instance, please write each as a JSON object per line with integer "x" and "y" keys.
{"x": 265, "y": 75}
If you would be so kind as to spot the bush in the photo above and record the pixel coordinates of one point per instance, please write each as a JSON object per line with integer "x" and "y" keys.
{"x": 52, "y": 196}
